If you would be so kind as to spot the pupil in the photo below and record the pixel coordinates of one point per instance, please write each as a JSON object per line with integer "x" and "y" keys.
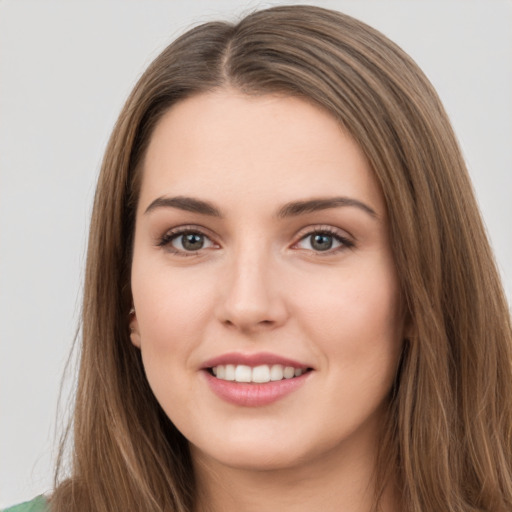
{"x": 193, "y": 242}
{"x": 321, "y": 242}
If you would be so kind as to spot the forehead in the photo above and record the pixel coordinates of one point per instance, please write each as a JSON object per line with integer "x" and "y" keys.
{"x": 228, "y": 145}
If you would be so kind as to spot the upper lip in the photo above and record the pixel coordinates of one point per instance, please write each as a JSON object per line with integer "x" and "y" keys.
{"x": 253, "y": 360}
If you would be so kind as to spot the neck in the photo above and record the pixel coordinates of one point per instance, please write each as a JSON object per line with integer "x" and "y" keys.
{"x": 344, "y": 480}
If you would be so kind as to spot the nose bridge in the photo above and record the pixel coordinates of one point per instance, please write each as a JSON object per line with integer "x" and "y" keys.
{"x": 251, "y": 298}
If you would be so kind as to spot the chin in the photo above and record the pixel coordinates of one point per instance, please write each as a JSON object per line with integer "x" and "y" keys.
{"x": 253, "y": 459}
{"x": 249, "y": 452}
{"x": 276, "y": 446}
{"x": 249, "y": 449}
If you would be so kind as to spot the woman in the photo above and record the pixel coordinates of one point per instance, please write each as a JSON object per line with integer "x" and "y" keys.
{"x": 290, "y": 298}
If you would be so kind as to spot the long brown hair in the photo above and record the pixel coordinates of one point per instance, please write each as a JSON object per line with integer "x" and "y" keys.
{"x": 449, "y": 433}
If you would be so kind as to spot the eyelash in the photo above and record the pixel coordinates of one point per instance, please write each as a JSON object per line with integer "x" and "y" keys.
{"x": 344, "y": 242}
{"x": 166, "y": 240}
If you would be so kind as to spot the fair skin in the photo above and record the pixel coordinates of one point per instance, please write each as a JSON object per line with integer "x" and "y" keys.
{"x": 262, "y": 276}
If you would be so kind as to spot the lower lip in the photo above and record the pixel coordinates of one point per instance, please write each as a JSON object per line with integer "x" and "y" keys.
{"x": 254, "y": 395}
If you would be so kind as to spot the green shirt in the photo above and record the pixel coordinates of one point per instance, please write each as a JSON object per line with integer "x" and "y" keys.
{"x": 38, "y": 504}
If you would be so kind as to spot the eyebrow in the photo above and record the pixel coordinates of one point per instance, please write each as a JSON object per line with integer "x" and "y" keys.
{"x": 295, "y": 208}
{"x": 291, "y": 209}
{"x": 188, "y": 204}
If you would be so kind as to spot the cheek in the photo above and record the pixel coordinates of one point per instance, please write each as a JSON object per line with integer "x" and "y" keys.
{"x": 357, "y": 334}
{"x": 172, "y": 311}
{"x": 172, "y": 308}
{"x": 355, "y": 317}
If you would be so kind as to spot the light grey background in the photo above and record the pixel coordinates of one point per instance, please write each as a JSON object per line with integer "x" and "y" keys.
{"x": 66, "y": 68}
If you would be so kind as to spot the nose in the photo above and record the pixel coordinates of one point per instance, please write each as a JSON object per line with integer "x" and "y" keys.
{"x": 252, "y": 298}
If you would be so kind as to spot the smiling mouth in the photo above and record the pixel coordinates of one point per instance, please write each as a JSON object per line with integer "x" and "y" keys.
{"x": 256, "y": 374}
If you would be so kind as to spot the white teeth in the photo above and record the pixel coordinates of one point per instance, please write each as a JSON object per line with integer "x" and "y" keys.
{"x": 261, "y": 373}
{"x": 243, "y": 373}
{"x": 276, "y": 372}
{"x": 289, "y": 372}
{"x": 230, "y": 372}
{"x": 258, "y": 374}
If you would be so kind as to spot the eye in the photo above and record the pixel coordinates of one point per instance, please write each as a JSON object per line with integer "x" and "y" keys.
{"x": 186, "y": 241}
{"x": 190, "y": 241}
{"x": 323, "y": 241}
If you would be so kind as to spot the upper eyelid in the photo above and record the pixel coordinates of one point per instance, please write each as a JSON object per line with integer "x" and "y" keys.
{"x": 344, "y": 238}
{"x": 171, "y": 233}
{"x": 188, "y": 228}
{"x": 326, "y": 228}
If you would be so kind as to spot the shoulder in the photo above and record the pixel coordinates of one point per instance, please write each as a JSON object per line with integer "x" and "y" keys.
{"x": 38, "y": 504}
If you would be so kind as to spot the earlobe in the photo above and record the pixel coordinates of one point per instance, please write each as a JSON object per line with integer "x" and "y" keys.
{"x": 134, "y": 329}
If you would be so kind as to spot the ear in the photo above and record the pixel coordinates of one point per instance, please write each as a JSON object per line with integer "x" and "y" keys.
{"x": 134, "y": 329}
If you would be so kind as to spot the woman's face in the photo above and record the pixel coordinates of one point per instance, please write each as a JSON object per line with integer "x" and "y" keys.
{"x": 262, "y": 255}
